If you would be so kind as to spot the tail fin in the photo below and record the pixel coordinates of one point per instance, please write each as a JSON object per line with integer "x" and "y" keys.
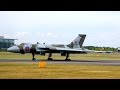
{"x": 78, "y": 41}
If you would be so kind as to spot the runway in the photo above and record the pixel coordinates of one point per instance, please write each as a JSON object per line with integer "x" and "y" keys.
{"x": 81, "y": 62}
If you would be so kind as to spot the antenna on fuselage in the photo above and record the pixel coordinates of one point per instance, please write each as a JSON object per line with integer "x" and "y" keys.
{"x": 37, "y": 42}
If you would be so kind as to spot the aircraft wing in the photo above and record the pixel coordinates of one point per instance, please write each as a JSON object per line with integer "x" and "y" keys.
{"x": 53, "y": 49}
{"x": 66, "y": 49}
{"x": 59, "y": 50}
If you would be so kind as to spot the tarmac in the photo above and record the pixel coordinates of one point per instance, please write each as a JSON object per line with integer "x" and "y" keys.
{"x": 81, "y": 62}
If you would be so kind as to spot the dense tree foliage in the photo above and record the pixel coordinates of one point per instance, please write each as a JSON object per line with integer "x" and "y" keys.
{"x": 100, "y": 48}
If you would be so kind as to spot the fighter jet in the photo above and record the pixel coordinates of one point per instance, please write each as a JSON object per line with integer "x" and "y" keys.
{"x": 75, "y": 47}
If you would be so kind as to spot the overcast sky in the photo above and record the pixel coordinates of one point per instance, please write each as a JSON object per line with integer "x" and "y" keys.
{"x": 61, "y": 27}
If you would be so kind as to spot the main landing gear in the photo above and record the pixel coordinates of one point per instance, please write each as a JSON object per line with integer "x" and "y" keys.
{"x": 50, "y": 54}
{"x": 67, "y": 55}
{"x": 49, "y": 57}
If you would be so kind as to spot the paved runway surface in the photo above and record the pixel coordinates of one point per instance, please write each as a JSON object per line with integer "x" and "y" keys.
{"x": 82, "y": 62}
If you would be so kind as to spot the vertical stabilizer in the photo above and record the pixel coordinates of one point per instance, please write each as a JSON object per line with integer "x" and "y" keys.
{"x": 78, "y": 41}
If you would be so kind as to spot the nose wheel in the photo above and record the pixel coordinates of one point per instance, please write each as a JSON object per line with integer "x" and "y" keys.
{"x": 33, "y": 57}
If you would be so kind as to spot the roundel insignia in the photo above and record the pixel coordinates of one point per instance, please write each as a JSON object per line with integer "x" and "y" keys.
{"x": 27, "y": 49}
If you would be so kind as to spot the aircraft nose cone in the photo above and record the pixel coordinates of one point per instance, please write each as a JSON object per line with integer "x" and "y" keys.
{"x": 13, "y": 49}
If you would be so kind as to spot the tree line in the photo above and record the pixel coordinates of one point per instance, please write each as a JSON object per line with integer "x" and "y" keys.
{"x": 100, "y": 48}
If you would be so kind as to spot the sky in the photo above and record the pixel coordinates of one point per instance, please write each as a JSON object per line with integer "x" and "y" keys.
{"x": 102, "y": 28}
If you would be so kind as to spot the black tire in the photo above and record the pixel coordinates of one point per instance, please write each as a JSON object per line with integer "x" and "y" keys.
{"x": 67, "y": 59}
{"x": 34, "y": 59}
{"x": 50, "y": 59}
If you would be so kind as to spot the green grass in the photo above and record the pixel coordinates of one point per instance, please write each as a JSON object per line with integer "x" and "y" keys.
{"x": 90, "y": 56}
{"x": 57, "y": 71}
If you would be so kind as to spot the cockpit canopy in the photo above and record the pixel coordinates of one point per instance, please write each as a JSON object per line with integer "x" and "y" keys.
{"x": 25, "y": 43}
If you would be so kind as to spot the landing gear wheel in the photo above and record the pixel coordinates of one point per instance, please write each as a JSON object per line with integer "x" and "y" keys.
{"x": 50, "y": 59}
{"x": 67, "y": 59}
{"x": 50, "y": 54}
{"x": 34, "y": 59}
